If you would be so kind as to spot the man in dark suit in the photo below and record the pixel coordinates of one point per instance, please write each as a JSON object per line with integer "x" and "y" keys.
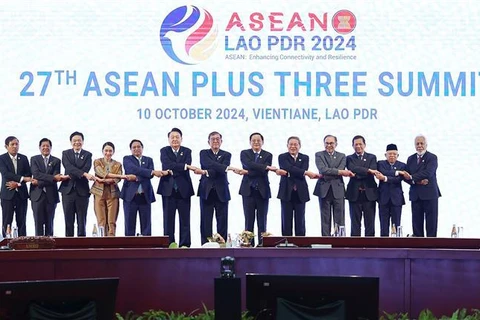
{"x": 76, "y": 191}
{"x": 330, "y": 188}
{"x": 15, "y": 171}
{"x": 137, "y": 194}
{"x": 421, "y": 174}
{"x": 390, "y": 193}
{"x": 176, "y": 189}
{"x": 44, "y": 189}
{"x": 293, "y": 189}
{"x": 213, "y": 188}
{"x": 255, "y": 187}
{"x": 362, "y": 192}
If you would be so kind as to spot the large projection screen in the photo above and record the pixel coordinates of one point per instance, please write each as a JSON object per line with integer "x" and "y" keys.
{"x": 119, "y": 70}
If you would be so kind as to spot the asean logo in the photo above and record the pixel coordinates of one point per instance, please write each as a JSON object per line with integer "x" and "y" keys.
{"x": 188, "y": 35}
{"x": 344, "y": 21}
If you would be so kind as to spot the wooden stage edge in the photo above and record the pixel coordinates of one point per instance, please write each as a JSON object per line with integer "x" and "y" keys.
{"x": 105, "y": 242}
{"x": 373, "y": 242}
{"x": 415, "y": 273}
{"x": 274, "y": 241}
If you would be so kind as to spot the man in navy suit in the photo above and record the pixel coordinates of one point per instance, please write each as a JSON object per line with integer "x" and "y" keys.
{"x": 137, "y": 191}
{"x": 44, "y": 189}
{"x": 176, "y": 189}
{"x": 390, "y": 193}
{"x": 255, "y": 186}
{"x": 362, "y": 192}
{"x": 15, "y": 171}
{"x": 76, "y": 191}
{"x": 330, "y": 187}
{"x": 421, "y": 174}
{"x": 293, "y": 189}
{"x": 213, "y": 188}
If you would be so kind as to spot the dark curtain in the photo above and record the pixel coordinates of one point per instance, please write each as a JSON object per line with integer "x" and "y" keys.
{"x": 287, "y": 310}
{"x": 64, "y": 311}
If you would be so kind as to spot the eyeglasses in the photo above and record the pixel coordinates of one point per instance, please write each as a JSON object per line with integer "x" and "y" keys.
{"x": 215, "y": 139}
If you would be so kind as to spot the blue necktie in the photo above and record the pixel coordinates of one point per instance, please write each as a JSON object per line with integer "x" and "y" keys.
{"x": 257, "y": 155}
{"x": 175, "y": 187}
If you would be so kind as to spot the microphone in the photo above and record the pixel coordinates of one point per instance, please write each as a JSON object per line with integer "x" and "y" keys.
{"x": 283, "y": 243}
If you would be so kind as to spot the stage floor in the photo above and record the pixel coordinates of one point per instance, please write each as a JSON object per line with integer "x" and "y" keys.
{"x": 442, "y": 280}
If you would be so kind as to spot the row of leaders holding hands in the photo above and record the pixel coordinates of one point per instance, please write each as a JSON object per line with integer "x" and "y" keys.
{"x": 176, "y": 187}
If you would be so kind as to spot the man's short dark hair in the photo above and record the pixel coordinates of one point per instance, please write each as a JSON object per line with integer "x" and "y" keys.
{"x": 175, "y": 130}
{"x": 358, "y": 137}
{"x": 214, "y": 133}
{"x": 76, "y": 133}
{"x": 45, "y": 140}
{"x": 133, "y": 141}
{"x": 10, "y": 139}
{"x": 328, "y": 136}
{"x": 255, "y": 134}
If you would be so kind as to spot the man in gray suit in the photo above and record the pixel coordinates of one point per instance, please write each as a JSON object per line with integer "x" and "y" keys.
{"x": 330, "y": 188}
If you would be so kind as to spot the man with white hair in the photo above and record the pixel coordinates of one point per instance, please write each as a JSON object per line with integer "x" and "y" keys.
{"x": 421, "y": 174}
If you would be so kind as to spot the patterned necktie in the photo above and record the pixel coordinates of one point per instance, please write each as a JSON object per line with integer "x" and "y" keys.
{"x": 139, "y": 189}
{"x": 419, "y": 159}
{"x": 45, "y": 161}
{"x": 257, "y": 155}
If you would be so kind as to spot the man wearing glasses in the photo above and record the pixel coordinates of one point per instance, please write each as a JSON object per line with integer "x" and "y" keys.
{"x": 330, "y": 188}
{"x": 213, "y": 188}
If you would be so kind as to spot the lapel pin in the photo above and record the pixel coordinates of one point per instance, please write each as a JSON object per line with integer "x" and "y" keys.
{"x": 364, "y": 159}
{"x": 181, "y": 154}
{"x": 299, "y": 159}
{"x": 143, "y": 162}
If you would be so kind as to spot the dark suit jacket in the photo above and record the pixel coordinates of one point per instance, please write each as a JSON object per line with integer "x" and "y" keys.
{"x": 362, "y": 179}
{"x": 328, "y": 168}
{"x": 296, "y": 176}
{"x": 392, "y": 189}
{"x": 76, "y": 171}
{"x": 143, "y": 173}
{"x": 256, "y": 172}
{"x": 8, "y": 174}
{"x": 181, "y": 177}
{"x": 45, "y": 178}
{"x": 427, "y": 169}
{"x": 216, "y": 165}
